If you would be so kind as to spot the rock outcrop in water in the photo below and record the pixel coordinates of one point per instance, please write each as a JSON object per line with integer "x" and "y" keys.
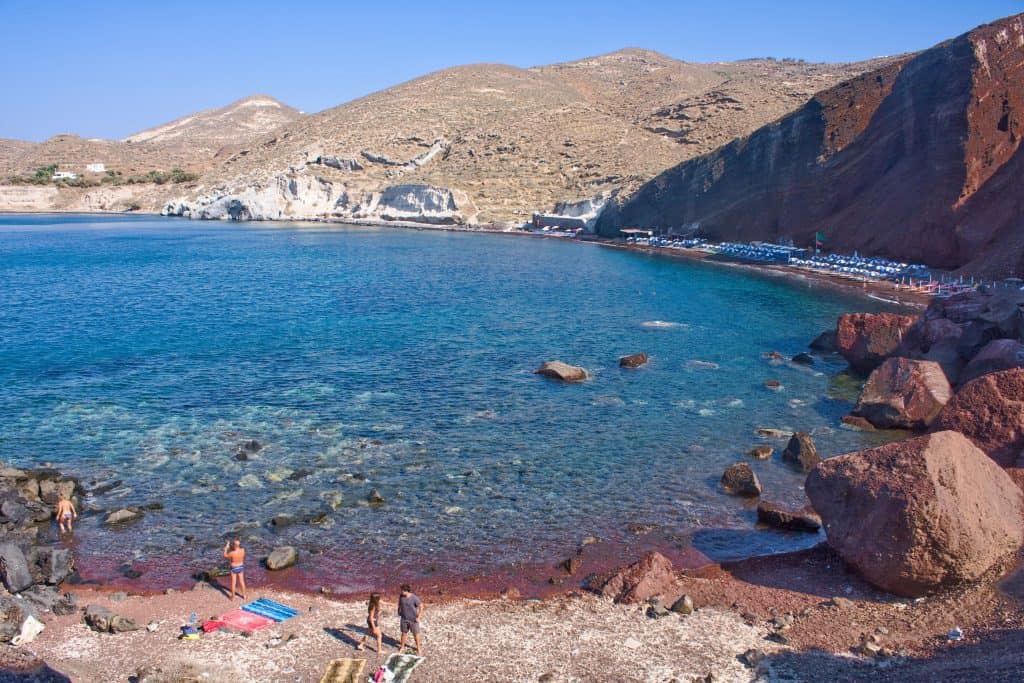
{"x": 866, "y": 339}
{"x": 556, "y": 369}
{"x": 919, "y": 160}
{"x": 917, "y": 515}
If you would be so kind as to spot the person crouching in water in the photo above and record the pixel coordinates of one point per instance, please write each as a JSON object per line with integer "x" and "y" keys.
{"x": 64, "y": 513}
{"x": 373, "y": 622}
{"x": 235, "y": 555}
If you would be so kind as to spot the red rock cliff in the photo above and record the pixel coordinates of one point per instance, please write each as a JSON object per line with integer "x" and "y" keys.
{"x": 920, "y": 161}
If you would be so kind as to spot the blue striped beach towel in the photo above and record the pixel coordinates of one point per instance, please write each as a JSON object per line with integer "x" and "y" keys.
{"x": 270, "y": 609}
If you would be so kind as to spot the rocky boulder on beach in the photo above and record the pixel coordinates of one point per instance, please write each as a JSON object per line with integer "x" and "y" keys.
{"x": 556, "y": 369}
{"x": 653, "y": 575}
{"x": 904, "y": 393}
{"x": 867, "y": 339}
{"x": 778, "y": 517}
{"x": 989, "y": 411}
{"x": 998, "y": 354}
{"x": 918, "y": 515}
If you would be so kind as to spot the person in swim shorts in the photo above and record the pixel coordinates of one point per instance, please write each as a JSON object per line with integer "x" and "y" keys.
{"x": 235, "y": 555}
{"x": 64, "y": 513}
{"x": 410, "y": 609}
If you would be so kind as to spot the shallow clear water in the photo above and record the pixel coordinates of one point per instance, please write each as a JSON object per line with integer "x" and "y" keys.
{"x": 148, "y": 350}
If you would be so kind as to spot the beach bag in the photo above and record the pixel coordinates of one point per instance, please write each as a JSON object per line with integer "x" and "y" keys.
{"x": 381, "y": 675}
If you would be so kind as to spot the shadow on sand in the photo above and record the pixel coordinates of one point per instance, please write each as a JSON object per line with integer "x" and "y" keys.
{"x": 997, "y": 658}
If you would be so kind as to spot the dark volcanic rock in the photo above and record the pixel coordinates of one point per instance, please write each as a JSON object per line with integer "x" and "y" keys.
{"x": 824, "y": 342}
{"x": 930, "y": 141}
{"x": 651, "y": 576}
{"x": 867, "y": 339}
{"x": 801, "y": 452}
{"x": 633, "y": 361}
{"x": 556, "y": 369}
{"x": 778, "y": 517}
{"x": 917, "y": 515}
{"x": 803, "y": 359}
{"x": 740, "y": 479}
{"x": 14, "y": 569}
{"x": 989, "y": 411}
{"x": 904, "y": 393}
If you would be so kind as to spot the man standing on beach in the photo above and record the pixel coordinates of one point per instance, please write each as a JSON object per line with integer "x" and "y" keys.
{"x": 235, "y": 555}
{"x": 410, "y": 609}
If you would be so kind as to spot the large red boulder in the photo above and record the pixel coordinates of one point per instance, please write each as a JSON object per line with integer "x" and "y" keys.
{"x": 998, "y": 354}
{"x": 989, "y": 410}
{"x": 904, "y": 393}
{"x": 653, "y": 575}
{"x": 867, "y": 339}
{"x": 917, "y": 515}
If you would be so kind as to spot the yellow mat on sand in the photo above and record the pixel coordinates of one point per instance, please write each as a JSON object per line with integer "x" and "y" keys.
{"x": 344, "y": 671}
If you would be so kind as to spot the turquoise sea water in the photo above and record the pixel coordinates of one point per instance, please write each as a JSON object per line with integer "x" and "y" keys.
{"x": 147, "y": 351}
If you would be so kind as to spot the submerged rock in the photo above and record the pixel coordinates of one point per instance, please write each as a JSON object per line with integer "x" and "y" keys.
{"x": 803, "y": 359}
{"x": 282, "y": 558}
{"x": 556, "y": 369}
{"x": 904, "y": 393}
{"x": 375, "y": 498}
{"x": 123, "y": 516}
{"x": 739, "y": 479}
{"x": 801, "y": 452}
{"x": 633, "y": 361}
{"x": 917, "y": 515}
{"x": 761, "y": 452}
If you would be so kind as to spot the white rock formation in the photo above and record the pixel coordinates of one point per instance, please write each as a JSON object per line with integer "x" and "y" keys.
{"x": 298, "y": 195}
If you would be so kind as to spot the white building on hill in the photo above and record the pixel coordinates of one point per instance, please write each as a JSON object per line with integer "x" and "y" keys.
{"x": 96, "y": 168}
{"x": 64, "y": 175}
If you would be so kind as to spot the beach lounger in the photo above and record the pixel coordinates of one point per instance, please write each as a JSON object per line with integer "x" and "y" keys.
{"x": 344, "y": 671}
{"x": 402, "y": 666}
{"x": 246, "y": 621}
{"x": 271, "y": 609}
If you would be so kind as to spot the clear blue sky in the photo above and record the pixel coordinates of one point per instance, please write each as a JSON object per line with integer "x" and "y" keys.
{"x": 107, "y": 69}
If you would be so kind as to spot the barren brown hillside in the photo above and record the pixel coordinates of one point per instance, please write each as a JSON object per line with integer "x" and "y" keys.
{"x": 499, "y": 140}
{"x": 516, "y": 140}
{"x": 188, "y": 143}
{"x": 212, "y": 129}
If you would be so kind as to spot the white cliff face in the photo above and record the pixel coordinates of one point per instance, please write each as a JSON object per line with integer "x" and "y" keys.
{"x": 298, "y": 195}
{"x": 587, "y": 209}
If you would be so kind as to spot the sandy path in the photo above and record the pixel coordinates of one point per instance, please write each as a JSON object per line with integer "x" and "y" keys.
{"x": 572, "y": 638}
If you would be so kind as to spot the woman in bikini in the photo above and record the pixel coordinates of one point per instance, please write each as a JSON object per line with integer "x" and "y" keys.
{"x": 234, "y": 554}
{"x": 373, "y": 622}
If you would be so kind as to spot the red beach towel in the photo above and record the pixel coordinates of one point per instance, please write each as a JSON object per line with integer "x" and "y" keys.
{"x": 245, "y": 621}
{"x": 212, "y": 625}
